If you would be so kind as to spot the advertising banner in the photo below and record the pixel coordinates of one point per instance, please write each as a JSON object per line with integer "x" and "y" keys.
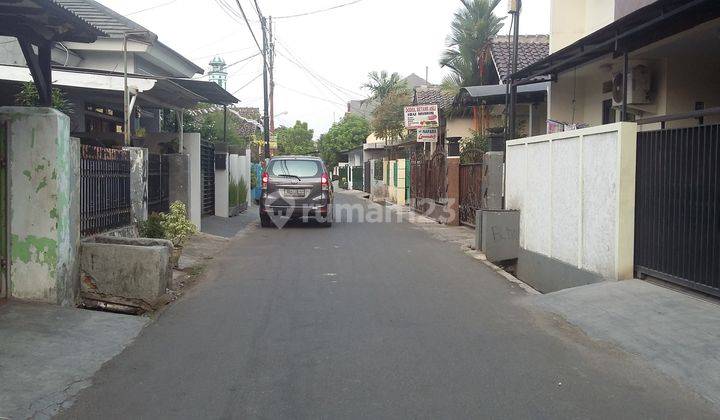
{"x": 421, "y": 116}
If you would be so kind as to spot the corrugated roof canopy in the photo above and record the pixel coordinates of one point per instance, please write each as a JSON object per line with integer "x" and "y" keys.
{"x": 44, "y": 20}
{"x": 213, "y": 92}
{"x": 495, "y": 94}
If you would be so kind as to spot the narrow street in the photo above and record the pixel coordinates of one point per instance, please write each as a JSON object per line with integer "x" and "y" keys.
{"x": 368, "y": 320}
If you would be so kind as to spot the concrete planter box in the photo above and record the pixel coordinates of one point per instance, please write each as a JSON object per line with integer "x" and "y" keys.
{"x": 135, "y": 271}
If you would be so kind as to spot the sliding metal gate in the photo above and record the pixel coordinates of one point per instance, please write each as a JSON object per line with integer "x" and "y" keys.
{"x": 207, "y": 169}
{"x": 158, "y": 183}
{"x": 677, "y": 208}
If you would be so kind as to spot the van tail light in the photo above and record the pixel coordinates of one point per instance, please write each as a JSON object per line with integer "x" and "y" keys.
{"x": 264, "y": 180}
{"x": 325, "y": 182}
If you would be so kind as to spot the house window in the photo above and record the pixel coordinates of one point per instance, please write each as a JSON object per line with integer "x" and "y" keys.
{"x": 608, "y": 112}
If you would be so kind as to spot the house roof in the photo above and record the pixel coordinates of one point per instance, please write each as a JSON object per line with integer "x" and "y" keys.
{"x": 247, "y": 128}
{"x": 113, "y": 23}
{"x": 433, "y": 95}
{"x": 531, "y": 49}
{"x": 495, "y": 94}
{"x": 46, "y": 19}
{"x": 209, "y": 90}
{"x": 647, "y": 25}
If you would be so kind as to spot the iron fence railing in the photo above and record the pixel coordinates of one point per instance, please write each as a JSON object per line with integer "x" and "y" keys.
{"x": 158, "y": 183}
{"x": 104, "y": 189}
{"x": 428, "y": 180}
{"x": 471, "y": 176}
{"x": 677, "y": 206}
{"x": 207, "y": 168}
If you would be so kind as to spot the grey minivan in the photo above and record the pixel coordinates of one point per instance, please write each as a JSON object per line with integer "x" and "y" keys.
{"x": 296, "y": 187}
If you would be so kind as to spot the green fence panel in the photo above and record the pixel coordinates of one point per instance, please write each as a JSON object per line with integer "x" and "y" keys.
{"x": 395, "y": 173}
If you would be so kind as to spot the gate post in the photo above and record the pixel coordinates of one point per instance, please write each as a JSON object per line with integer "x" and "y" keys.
{"x": 138, "y": 183}
{"x": 44, "y": 205}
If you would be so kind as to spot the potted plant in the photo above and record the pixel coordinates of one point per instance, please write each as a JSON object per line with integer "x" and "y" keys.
{"x": 178, "y": 229}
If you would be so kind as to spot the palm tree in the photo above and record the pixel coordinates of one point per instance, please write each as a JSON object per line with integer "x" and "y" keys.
{"x": 472, "y": 28}
{"x": 381, "y": 85}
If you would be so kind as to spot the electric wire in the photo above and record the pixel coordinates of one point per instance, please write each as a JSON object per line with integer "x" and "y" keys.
{"x": 247, "y": 84}
{"x": 319, "y": 11}
{"x": 157, "y": 6}
{"x": 311, "y": 96}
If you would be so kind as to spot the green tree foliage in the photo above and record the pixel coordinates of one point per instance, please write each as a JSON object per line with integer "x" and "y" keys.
{"x": 388, "y": 121}
{"x": 472, "y": 28}
{"x": 29, "y": 96}
{"x": 210, "y": 126}
{"x": 473, "y": 148}
{"x": 295, "y": 140}
{"x": 346, "y": 134}
{"x": 381, "y": 84}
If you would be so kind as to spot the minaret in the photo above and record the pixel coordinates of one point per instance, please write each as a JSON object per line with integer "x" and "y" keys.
{"x": 217, "y": 72}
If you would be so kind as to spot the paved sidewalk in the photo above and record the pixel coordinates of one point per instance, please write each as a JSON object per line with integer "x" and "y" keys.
{"x": 49, "y": 353}
{"x": 676, "y": 333}
{"x": 228, "y": 227}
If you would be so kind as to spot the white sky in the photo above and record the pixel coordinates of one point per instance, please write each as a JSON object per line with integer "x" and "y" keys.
{"x": 341, "y": 45}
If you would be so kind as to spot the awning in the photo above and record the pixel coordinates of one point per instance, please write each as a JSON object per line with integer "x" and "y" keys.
{"x": 647, "y": 25}
{"x": 161, "y": 92}
{"x": 495, "y": 94}
{"x": 213, "y": 92}
{"x": 44, "y": 20}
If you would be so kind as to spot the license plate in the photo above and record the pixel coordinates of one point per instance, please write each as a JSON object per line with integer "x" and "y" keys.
{"x": 295, "y": 193}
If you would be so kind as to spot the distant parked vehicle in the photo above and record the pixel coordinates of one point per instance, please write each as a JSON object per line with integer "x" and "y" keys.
{"x": 296, "y": 187}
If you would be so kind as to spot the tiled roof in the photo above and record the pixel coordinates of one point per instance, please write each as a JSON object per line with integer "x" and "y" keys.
{"x": 433, "y": 95}
{"x": 531, "y": 48}
{"x": 104, "y": 18}
{"x": 247, "y": 129}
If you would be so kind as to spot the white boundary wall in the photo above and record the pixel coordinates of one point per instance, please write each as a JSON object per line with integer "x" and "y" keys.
{"x": 240, "y": 167}
{"x": 191, "y": 146}
{"x": 576, "y": 194}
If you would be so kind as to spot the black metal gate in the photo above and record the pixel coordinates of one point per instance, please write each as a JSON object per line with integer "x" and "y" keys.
{"x": 207, "y": 169}
{"x": 677, "y": 207}
{"x": 104, "y": 189}
{"x": 158, "y": 184}
{"x": 367, "y": 178}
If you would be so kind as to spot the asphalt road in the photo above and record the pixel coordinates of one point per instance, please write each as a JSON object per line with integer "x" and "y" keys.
{"x": 368, "y": 320}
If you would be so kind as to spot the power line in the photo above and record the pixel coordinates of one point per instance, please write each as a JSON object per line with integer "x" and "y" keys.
{"x": 311, "y": 96}
{"x": 319, "y": 11}
{"x": 311, "y": 75}
{"x": 230, "y": 65}
{"x": 151, "y": 8}
{"x": 248, "y": 25}
{"x": 247, "y": 84}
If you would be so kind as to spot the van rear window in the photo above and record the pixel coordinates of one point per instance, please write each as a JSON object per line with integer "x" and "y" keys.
{"x": 296, "y": 167}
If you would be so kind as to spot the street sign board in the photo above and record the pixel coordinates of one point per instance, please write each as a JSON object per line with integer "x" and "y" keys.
{"x": 427, "y": 134}
{"x": 421, "y": 116}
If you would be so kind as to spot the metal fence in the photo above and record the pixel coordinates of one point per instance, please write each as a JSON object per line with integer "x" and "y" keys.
{"x": 677, "y": 206}
{"x": 428, "y": 180}
{"x": 158, "y": 184}
{"x": 367, "y": 177}
{"x": 104, "y": 189}
{"x": 207, "y": 169}
{"x": 471, "y": 176}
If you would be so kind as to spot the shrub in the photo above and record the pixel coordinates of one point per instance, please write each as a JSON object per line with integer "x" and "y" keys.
{"x": 29, "y": 96}
{"x": 237, "y": 192}
{"x": 153, "y": 227}
{"x": 176, "y": 224}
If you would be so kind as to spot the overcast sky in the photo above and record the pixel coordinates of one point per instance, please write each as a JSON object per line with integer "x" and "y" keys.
{"x": 339, "y": 46}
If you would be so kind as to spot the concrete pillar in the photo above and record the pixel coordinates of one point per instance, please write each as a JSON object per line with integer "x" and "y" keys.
{"x": 138, "y": 182}
{"x": 222, "y": 189}
{"x": 44, "y": 205}
{"x": 453, "y": 191}
{"x": 179, "y": 173}
{"x": 192, "y": 148}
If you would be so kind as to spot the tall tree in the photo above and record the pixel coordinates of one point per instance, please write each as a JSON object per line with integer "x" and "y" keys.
{"x": 350, "y": 132}
{"x": 295, "y": 140}
{"x": 381, "y": 84}
{"x": 472, "y": 28}
{"x": 388, "y": 121}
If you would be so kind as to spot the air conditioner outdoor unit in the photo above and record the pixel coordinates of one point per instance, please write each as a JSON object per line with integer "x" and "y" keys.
{"x": 638, "y": 91}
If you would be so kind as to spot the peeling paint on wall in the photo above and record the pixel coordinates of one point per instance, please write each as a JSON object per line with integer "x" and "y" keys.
{"x": 43, "y": 251}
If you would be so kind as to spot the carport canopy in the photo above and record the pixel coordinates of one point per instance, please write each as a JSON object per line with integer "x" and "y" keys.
{"x": 40, "y": 23}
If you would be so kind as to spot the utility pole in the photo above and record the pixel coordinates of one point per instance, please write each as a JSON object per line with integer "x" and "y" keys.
{"x": 271, "y": 65}
{"x": 515, "y": 8}
{"x": 266, "y": 117}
